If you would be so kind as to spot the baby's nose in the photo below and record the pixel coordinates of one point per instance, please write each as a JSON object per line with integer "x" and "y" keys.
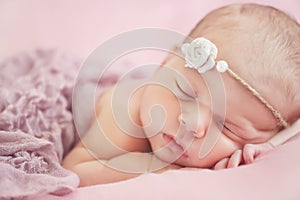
{"x": 199, "y": 133}
{"x": 196, "y": 125}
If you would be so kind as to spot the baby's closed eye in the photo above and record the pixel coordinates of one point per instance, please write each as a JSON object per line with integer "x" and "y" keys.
{"x": 186, "y": 92}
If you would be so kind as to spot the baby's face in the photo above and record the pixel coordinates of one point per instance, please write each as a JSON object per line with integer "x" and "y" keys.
{"x": 177, "y": 131}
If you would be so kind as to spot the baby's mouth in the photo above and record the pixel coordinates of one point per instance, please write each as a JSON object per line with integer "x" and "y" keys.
{"x": 172, "y": 144}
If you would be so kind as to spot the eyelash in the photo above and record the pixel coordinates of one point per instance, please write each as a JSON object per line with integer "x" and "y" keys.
{"x": 182, "y": 91}
{"x": 226, "y": 128}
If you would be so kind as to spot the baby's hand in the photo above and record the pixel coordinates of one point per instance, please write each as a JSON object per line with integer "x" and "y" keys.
{"x": 233, "y": 161}
{"x": 247, "y": 155}
{"x": 251, "y": 151}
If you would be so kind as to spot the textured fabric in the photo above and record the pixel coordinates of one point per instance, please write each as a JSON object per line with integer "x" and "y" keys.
{"x": 36, "y": 124}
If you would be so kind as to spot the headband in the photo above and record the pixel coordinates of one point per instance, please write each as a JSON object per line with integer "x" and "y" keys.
{"x": 201, "y": 55}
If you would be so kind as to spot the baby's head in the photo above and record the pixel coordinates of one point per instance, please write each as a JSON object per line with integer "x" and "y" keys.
{"x": 261, "y": 46}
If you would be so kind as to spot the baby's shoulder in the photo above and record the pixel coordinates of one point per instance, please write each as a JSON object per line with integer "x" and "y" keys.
{"x": 125, "y": 95}
{"x": 103, "y": 99}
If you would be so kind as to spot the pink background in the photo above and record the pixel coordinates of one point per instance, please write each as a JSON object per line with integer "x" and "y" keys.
{"x": 78, "y": 26}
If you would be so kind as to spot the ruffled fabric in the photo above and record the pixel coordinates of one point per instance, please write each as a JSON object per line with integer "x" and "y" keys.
{"x": 36, "y": 124}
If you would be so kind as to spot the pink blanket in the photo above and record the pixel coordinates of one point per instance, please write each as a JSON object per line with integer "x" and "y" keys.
{"x": 36, "y": 126}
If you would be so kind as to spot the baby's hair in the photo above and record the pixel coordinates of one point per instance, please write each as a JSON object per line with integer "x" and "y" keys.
{"x": 275, "y": 47}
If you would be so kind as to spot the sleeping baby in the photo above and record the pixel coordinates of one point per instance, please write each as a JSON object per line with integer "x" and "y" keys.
{"x": 228, "y": 94}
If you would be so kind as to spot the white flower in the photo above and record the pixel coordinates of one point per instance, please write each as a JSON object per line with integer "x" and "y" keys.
{"x": 200, "y": 54}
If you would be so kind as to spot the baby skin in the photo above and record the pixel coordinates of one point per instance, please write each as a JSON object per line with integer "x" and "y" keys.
{"x": 165, "y": 125}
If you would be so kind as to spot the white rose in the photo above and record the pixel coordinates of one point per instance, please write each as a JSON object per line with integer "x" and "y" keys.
{"x": 200, "y": 54}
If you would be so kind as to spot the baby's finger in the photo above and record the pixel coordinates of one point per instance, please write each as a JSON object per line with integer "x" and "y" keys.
{"x": 222, "y": 164}
{"x": 249, "y": 153}
{"x": 235, "y": 159}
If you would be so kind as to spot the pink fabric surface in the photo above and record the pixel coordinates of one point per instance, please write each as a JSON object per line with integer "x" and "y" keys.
{"x": 36, "y": 126}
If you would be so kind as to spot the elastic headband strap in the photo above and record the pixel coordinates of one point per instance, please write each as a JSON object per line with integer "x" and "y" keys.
{"x": 201, "y": 53}
{"x": 276, "y": 113}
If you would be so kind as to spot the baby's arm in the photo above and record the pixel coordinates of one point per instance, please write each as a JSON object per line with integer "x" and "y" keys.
{"x": 92, "y": 171}
{"x": 126, "y": 166}
{"x": 251, "y": 151}
{"x": 285, "y": 134}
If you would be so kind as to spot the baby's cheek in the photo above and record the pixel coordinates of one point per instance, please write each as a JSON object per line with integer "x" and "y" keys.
{"x": 159, "y": 104}
{"x": 158, "y": 108}
{"x": 225, "y": 147}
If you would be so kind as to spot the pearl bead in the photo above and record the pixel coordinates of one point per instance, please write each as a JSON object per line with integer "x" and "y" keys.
{"x": 222, "y": 66}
